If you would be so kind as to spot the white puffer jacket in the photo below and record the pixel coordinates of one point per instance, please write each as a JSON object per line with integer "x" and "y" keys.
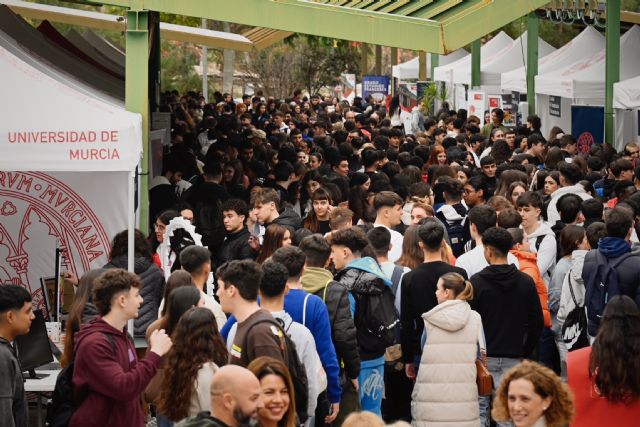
{"x": 446, "y": 393}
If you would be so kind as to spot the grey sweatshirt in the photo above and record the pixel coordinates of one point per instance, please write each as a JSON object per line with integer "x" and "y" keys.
{"x": 13, "y": 402}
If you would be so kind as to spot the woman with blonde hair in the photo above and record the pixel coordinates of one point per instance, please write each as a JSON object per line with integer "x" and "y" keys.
{"x": 446, "y": 392}
{"x": 363, "y": 419}
{"x": 278, "y": 407}
{"x": 532, "y": 395}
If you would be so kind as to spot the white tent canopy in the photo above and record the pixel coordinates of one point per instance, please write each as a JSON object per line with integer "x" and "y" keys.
{"x": 583, "y": 81}
{"x": 409, "y": 70}
{"x": 626, "y": 94}
{"x": 88, "y": 145}
{"x": 511, "y": 56}
{"x": 589, "y": 39}
{"x": 445, "y": 72}
{"x": 93, "y": 134}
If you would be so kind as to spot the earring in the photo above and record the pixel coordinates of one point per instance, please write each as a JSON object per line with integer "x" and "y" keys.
{"x": 544, "y": 408}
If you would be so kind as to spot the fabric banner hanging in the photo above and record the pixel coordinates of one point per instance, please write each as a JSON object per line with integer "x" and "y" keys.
{"x": 79, "y": 213}
{"x": 588, "y": 126}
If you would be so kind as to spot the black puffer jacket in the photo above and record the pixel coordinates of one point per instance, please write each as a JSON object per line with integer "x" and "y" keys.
{"x": 335, "y": 295}
{"x": 235, "y": 246}
{"x": 152, "y": 290}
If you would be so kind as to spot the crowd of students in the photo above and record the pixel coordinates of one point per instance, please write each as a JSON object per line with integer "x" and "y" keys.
{"x": 359, "y": 268}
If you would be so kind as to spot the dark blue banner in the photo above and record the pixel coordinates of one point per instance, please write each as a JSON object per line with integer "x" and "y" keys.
{"x": 377, "y": 86}
{"x": 587, "y": 125}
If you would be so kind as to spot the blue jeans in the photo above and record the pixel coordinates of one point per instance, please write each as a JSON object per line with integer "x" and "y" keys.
{"x": 497, "y": 366}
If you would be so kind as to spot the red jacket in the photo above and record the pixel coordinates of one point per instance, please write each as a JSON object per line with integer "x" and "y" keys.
{"x": 529, "y": 266}
{"x": 107, "y": 378}
{"x": 591, "y": 409}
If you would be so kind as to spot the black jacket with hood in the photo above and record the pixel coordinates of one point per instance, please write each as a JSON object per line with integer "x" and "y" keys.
{"x": 151, "y": 291}
{"x": 510, "y": 309}
{"x": 288, "y": 218}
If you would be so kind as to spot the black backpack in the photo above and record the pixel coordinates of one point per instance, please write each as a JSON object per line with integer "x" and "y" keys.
{"x": 601, "y": 285}
{"x": 376, "y": 318}
{"x": 63, "y": 405}
{"x": 296, "y": 368}
{"x": 455, "y": 230}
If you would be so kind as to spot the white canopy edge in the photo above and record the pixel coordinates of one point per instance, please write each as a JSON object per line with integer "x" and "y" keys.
{"x": 85, "y": 18}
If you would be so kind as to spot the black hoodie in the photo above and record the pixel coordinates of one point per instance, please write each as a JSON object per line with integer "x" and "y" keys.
{"x": 510, "y": 309}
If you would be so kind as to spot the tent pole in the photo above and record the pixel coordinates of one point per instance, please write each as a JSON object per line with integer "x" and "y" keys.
{"x": 422, "y": 66}
{"x": 475, "y": 64}
{"x": 394, "y": 56}
{"x": 435, "y": 61}
{"x": 612, "y": 66}
{"x": 131, "y": 229}
{"x": 532, "y": 60}
{"x": 378, "y": 60}
{"x": 137, "y": 95}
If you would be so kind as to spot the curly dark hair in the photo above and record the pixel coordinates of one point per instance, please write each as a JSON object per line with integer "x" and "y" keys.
{"x": 546, "y": 384}
{"x": 614, "y": 366}
{"x": 196, "y": 341}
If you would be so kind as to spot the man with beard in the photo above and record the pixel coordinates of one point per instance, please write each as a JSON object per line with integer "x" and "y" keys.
{"x": 235, "y": 400}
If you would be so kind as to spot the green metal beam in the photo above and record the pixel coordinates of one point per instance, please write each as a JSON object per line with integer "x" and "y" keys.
{"x": 394, "y": 56}
{"x": 137, "y": 95}
{"x": 378, "y": 60}
{"x": 435, "y": 61}
{"x": 475, "y": 63}
{"x": 612, "y": 66}
{"x": 413, "y": 7}
{"x": 436, "y": 9}
{"x": 310, "y": 18}
{"x": 422, "y": 66}
{"x": 532, "y": 60}
{"x": 474, "y": 19}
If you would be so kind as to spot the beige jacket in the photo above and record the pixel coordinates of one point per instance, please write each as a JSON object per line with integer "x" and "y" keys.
{"x": 446, "y": 394}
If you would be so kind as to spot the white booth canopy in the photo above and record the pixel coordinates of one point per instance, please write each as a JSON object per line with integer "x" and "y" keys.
{"x": 584, "y": 79}
{"x": 511, "y": 56}
{"x": 626, "y": 94}
{"x": 445, "y": 72}
{"x": 409, "y": 70}
{"x": 589, "y": 39}
{"x": 77, "y": 129}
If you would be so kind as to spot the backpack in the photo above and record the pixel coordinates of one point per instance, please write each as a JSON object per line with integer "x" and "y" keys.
{"x": 601, "y": 285}
{"x": 395, "y": 278}
{"x": 63, "y": 405}
{"x": 296, "y": 368}
{"x": 574, "y": 329}
{"x": 376, "y": 318}
{"x": 455, "y": 230}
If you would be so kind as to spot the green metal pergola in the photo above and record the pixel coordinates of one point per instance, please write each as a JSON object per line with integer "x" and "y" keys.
{"x": 435, "y": 26}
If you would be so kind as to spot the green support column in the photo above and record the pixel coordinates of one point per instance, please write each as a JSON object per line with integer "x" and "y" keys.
{"x": 532, "y": 60}
{"x": 137, "y": 95}
{"x": 394, "y": 56}
{"x": 422, "y": 66}
{"x": 612, "y": 67}
{"x": 475, "y": 63}
{"x": 435, "y": 61}
{"x": 364, "y": 66}
{"x": 378, "y": 60}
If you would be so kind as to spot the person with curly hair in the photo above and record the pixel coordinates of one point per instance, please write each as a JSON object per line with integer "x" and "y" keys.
{"x": 277, "y": 408}
{"x": 532, "y": 395}
{"x": 605, "y": 378}
{"x": 191, "y": 364}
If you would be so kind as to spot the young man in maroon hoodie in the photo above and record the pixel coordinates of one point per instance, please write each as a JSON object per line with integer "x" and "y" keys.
{"x": 107, "y": 377}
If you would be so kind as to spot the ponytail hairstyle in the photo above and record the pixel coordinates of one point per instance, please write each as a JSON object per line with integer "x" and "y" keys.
{"x": 462, "y": 289}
